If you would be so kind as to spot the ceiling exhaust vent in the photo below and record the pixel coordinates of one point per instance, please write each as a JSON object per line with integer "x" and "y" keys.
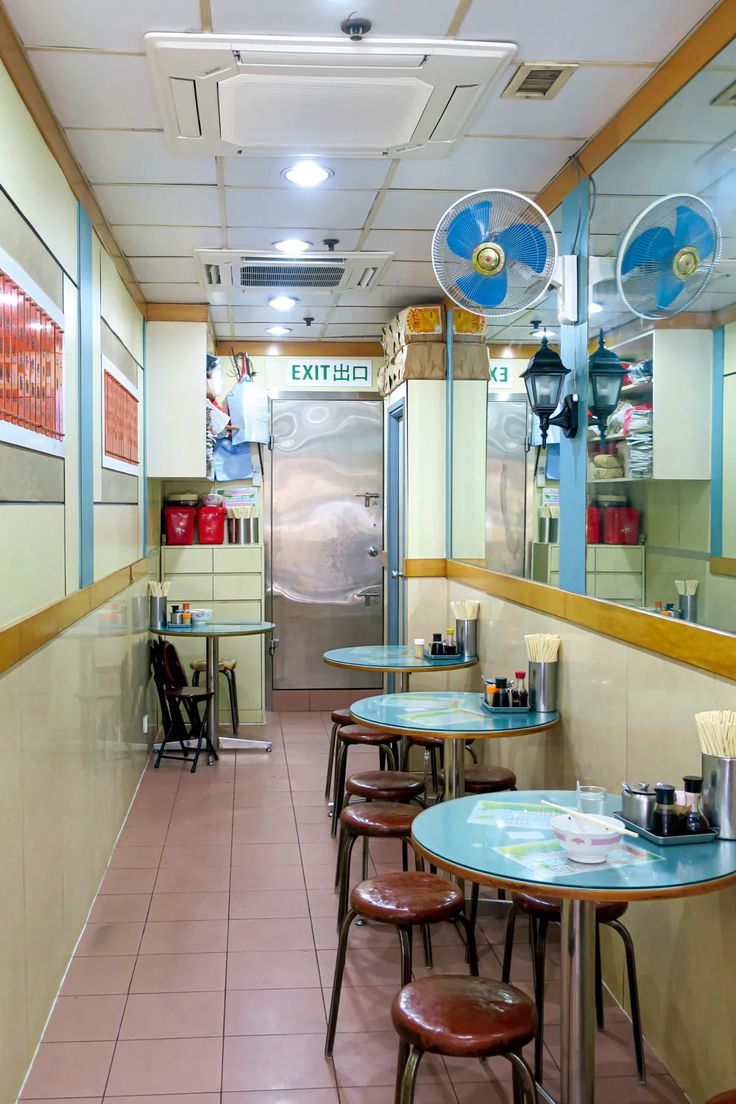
{"x": 727, "y": 98}
{"x": 538, "y": 80}
{"x": 269, "y": 95}
{"x": 232, "y": 276}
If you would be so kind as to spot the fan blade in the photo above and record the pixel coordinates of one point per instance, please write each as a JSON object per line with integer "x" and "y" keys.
{"x": 486, "y": 291}
{"x": 668, "y": 288}
{"x": 692, "y": 229}
{"x": 469, "y": 229}
{"x": 653, "y": 246}
{"x": 524, "y": 243}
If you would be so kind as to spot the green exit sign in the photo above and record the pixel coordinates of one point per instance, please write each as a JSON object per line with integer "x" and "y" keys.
{"x": 348, "y": 375}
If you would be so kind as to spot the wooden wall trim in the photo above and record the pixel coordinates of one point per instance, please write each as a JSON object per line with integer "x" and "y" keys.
{"x": 177, "y": 312}
{"x": 15, "y": 60}
{"x": 695, "y": 645}
{"x": 722, "y": 565}
{"x": 23, "y": 637}
{"x": 425, "y": 569}
{"x": 700, "y": 47}
{"x": 302, "y": 348}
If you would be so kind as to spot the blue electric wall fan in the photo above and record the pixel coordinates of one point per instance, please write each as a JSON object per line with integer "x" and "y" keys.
{"x": 667, "y": 256}
{"x": 494, "y": 252}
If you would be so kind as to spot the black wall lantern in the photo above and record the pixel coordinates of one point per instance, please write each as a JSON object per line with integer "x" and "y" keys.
{"x": 543, "y": 379}
{"x": 606, "y": 373}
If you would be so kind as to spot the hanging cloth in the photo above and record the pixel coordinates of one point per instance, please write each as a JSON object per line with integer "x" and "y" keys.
{"x": 232, "y": 461}
{"x": 248, "y": 406}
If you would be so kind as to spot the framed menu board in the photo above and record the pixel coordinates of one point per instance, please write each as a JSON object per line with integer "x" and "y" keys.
{"x": 119, "y": 420}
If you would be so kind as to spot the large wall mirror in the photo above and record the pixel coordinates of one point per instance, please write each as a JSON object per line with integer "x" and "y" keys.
{"x": 661, "y": 486}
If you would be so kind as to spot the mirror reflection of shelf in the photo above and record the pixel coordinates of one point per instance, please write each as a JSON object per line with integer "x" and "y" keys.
{"x": 637, "y": 390}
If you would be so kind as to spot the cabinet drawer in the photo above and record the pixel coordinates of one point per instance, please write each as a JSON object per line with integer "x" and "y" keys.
{"x": 618, "y": 587}
{"x": 237, "y": 558}
{"x": 187, "y": 561}
{"x": 237, "y": 587}
{"x": 554, "y": 559}
{"x": 190, "y": 588}
{"x": 619, "y": 557}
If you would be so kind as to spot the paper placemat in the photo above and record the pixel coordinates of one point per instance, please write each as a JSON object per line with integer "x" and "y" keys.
{"x": 509, "y": 814}
{"x": 548, "y": 857}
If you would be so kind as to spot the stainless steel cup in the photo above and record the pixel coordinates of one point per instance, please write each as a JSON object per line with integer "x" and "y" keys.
{"x": 639, "y": 808}
{"x": 689, "y": 607}
{"x": 549, "y": 530}
{"x": 158, "y": 613}
{"x": 719, "y": 794}
{"x": 466, "y": 635}
{"x": 543, "y": 687}
{"x": 236, "y": 530}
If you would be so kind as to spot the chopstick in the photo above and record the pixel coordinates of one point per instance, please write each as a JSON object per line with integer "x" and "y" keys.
{"x": 587, "y": 816}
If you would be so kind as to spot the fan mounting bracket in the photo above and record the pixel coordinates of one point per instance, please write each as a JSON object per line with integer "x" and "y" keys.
{"x": 565, "y": 279}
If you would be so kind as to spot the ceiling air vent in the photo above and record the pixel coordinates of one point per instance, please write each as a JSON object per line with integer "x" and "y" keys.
{"x": 232, "y": 276}
{"x": 538, "y": 80}
{"x": 269, "y": 95}
{"x": 727, "y": 98}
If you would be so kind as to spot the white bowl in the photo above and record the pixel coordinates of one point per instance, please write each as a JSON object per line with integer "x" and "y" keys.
{"x": 585, "y": 842}
{"x": 201, "y": 616}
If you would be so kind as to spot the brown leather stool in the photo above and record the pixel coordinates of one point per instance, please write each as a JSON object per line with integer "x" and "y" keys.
{"x": 370, "y": 820}
{"x": 543, "y": 911}
{"x": 387, "y": 785}
{"x": 434, "y": 747}
{"x": 483, "y": 778}
{"x": 227, "y": 668}
{"x": 339, "y": 718}
{"x": 462, "y": 1017}
{"x": 724, "y": 1098}
{"x": 353, "y": 736}
{"x": 407, "y": 901}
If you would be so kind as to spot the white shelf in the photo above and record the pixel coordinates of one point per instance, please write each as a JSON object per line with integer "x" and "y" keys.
{"x": 634, "y": 390}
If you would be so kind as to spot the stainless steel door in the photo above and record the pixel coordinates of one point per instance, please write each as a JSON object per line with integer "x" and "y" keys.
{"x": 326, "y": 537}
{"x": 506, "y": 460}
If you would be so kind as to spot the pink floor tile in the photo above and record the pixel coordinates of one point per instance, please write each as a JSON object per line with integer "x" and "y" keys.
{"x": 184, "y": 936}
{"x": 256, "y": 798}
{"x": 215, "y": 854}
{"x": 120, "y": 908}
{"x": 315, "y": 854}
{"x": 178, "y": 973}
{"x": 85, "y": 1019}
{"x": 274, "y": 1012}
{"x": 373, "y": 1062}
{"x": 614, "y": 1050}
{"x": 135, "y": 857}
{"x": 266, "y": 854}
{"x": 179, "y": 1098}
{"x": 440, "y": 1093}
{"x": 193, "y": 879}
{"x": 257, "y": 935}
{"x": 320, "y": 877}
{"x": 69, "y": 1069}
{"x": 658, "y": 1090}
{"x": 364, "y": 1008}
{"x": 128, "y": 881}
{"x": 165, "y": 1066}
{"x": 98, "y": 976}
{"x": 264, "y": 904}
{"x": 265, "y": 877}
{"x": 275, "y": 1062}
{"x": 363, "y": 967}
{"x": 173, "y": 1016}
{"x": 142, "y": 837}
{"x": 322, "y": 902}
{"x": 188, "y": 906}
{"x": 110, "y": 939}
{"x": 272, "y": 970}
{"x": 288, "y": 1096}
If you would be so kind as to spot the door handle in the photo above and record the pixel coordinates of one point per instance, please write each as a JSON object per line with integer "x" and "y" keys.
{"x": 398, "y": 575}
{"x": 367, "y": 497}
{"x": 368, "y": 595}
{"x": 373, "y": 551}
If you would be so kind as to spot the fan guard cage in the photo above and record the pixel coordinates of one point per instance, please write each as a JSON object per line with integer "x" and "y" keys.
{"x": 525, "y": 285}
{"x": 638, "y": 287}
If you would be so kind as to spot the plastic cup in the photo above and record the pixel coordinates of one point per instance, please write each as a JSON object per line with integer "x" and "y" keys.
{"x": 592, "y": 799}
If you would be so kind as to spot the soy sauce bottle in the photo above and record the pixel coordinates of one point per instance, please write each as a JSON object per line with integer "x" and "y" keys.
{"x": 694, "y": 822}
{"x": 501, "y": 696}
{"x": 436, "y": 648}
{"x": 665, "y": 819}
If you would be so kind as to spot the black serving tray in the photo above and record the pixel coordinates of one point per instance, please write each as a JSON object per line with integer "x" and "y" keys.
{"x": 667, "y": 841}
{"x": 498, "y": 709}
{"x": 458, "y": 658}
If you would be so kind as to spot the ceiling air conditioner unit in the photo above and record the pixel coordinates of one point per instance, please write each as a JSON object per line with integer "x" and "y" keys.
{"x": 237, "y": 276}
{"x": 275, "y": 96}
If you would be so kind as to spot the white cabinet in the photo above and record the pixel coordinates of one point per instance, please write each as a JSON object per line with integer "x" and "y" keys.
{"x": 176, "y": 389}
{"x": 615, "y": 572}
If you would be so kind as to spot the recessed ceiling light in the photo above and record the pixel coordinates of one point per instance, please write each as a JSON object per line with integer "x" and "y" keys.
{"x": 595, "y": 308}
{"x": 307, "y": 174}
{"x": 292, "y": 245}
{"x": 282, "y": 302}
{"x": 507, "y": 353}
{"x": 543, "y": 331}
{"x": 279, "y": 331}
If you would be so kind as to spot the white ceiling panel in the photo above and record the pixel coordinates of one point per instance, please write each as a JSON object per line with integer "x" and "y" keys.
{"x": 269, "y": 317}
{"x": 320, "y": 17}
{"x": 98, "y": 25}
{"x": 690, "y": 114}
{"x": 406, "y": 245}
{"x": 258, "y": 331}
{"x": 586, "y": 30}
{"x": 579, "y": 109}
{"x": 409, "y": 274}
{"x": 393, "y": 298}
{"x": 266, "y": 172}
{"x": 97, "y": 90}
{"x": 136, "y": 157}
{"x": 614, "y": 213}
{"x": 300, "y": 207}
{"x": 404, "y": 210}
{"x": 521, "y": 164}
{"x": 165, "y": 241}
{"x": 164, "y": 270}
{"x": 356, "y": 329}
{"x": 727, "y": 57}
{"x": 157, "y": 206}
{"x": 218, "y": 314}
{"x": 259, "y": 237}
{"x": 364, "y": 314}
{"x": 655, "y": 168}
{"x": 173, "y": 293}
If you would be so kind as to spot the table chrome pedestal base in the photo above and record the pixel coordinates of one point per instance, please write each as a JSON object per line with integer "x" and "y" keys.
{"x": 577, "y": 955}
{"x": 232, "y": 743}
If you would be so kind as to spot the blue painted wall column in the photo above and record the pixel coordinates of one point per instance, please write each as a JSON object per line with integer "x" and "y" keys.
{"x": 448, "y": 439}
{"x": 86, "y": 404}
{"x": 574, "y": 353}
{"x": 716, "y": 443}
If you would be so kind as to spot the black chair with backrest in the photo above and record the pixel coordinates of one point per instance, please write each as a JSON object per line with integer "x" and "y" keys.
{"x": 179, "y": 704}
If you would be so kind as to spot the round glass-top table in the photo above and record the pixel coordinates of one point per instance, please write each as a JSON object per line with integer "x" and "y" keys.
{"x": 397, "y": 659}
{"x": 505, "y": 840}
{"x": 453, "y": 717}
{"x": 212, "y": 631}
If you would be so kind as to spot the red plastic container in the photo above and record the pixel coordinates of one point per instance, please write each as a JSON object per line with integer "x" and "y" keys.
{"x": 594, "y": 525}
{"x": 211, "y": 524}
{"x": 621, "y": 525}
{"x": 179, "y": 521}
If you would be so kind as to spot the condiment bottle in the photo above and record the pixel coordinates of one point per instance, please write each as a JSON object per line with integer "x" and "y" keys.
{"x": 450, "y": 646}
{"x": 694, "y": 822}
{"x": 436, "y": 647}
{"x": 419, "y": 648}
{"x": 501, "y": 696}
{"x": 519, "y": 695}
{"x": 186, "y": 614}
{"x": 175, "y": 615}
{"x": 665, "y": 820}
{"x": 490, "y": 691}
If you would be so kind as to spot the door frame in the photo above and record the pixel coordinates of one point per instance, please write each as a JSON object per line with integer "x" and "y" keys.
{"x": 395, "y": 496}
